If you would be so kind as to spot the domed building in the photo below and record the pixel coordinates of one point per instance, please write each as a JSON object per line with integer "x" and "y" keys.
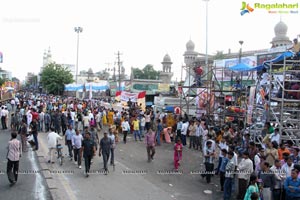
{"x": 165, "y": 75}
{"x": 190, "y": 55}
{"x": 167, "y": 63}
{"x": 280, "y": 39}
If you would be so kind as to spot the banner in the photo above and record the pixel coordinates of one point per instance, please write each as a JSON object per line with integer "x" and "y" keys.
{"x": 250, "y": 104}
{"x": 138, "y": 98}
{"x": 101, "y": 86}
{"x": 205, "y": 100}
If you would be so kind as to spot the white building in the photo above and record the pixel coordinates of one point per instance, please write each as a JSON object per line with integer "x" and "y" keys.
{"x": 4, "y": 74}
{"x": 47, "y": 59}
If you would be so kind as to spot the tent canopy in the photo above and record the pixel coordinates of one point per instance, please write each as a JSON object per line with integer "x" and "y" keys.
{"x": 242, "y": 67}
{"x": 278, "y": 60}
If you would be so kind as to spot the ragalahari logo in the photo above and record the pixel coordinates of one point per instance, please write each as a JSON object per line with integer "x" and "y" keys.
{"x": 246, "y": 8}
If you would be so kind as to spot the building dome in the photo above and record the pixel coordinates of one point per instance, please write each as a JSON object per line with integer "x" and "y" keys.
{"x": 190, "y": 46}
{"x": 280, "y": 28}
{"x": 167, "y": 58}
{"x": 90, "y": 71}
{"x": 280, "y": 38}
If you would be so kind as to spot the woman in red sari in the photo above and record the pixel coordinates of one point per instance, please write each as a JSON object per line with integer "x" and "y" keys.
{"x": 177, "y": 154}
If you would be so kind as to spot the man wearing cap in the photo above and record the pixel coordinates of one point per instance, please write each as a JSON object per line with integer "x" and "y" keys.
{"x": 245, "y": 169}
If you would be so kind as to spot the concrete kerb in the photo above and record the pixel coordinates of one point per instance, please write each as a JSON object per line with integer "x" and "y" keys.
{"x": 45, "y": 171}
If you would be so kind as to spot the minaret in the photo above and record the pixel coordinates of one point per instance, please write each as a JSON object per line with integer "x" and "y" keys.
{"x": 49, "y": 56}
{"x": 165, "y": 75}
{"x": 190, "y": 56}
{"x": 167, "y": 64}
{"x": 44, "y": 59}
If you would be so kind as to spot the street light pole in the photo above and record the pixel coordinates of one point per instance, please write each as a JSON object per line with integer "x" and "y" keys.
{"x": 77, "y": 30}
{"x": 240, "y": 59}
{"x": 206, "y": 38}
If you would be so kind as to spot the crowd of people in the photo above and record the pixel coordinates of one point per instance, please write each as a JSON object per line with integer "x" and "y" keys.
{"x": 269, "y": 170}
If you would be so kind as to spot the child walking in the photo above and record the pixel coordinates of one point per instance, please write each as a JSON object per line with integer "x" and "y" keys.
{"x": 177, "y": 153}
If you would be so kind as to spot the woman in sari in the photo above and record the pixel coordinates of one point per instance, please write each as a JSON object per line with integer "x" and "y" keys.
{"x": 177, "y": 154}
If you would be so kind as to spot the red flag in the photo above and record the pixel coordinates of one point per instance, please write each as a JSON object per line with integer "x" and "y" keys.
{"x": 142, "y": 95}
{"x": 118, "y": 93}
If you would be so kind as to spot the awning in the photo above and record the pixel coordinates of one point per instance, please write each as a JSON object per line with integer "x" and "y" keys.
{"x": 149, "y": 103}
{"x": 169, "y": 109}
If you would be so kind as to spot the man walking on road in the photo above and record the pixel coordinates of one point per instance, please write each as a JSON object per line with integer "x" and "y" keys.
{"x": 52, "y": 142}
{"x": 105, "y": 145}
{"x": 13, "y": 156}
{"x": 125, "y": 129}
{"x": 89, "y": 150}
{"x": 34, "y": 132}
{"x": 112, "y": 148}
{"x": 150, "y": 143}
{"x": 77, "y": 144}
{"x": 68, "y": 138}
{"x": 23, "y": 134}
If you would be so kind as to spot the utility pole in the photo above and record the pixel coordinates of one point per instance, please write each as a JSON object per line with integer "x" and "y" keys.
{"x": 77, "y": 30}
{"x": 119, "y": 69}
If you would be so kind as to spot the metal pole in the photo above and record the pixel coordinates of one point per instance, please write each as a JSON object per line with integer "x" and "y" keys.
{"x": 240, "y": 60}
{"x": 77, "y": 57}
{"x": 206, "y": 39}
{"x": 77, "y": 30}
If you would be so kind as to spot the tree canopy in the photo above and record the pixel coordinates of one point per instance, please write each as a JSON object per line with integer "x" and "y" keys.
{"x": 54, "y": 77}
{"x": 148, "y": 72}
{"x": 2, "y": 81}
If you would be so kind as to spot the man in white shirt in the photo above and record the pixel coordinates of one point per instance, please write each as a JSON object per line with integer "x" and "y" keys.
{"x": 77, "y": 144}
{"x": 288, "y": 166}
{"x": 275, "y": 136}
{"x": 52, "y": 142}
{"x": 184, "y": 130}
{"x": 279, "y": 179}
{"x": 4, "y": 115}
{"x": 245, "y": 169}
{"x": 125, "y": 129}
{"x": 98, "y": 119}
{"x": 29, "y": 117}
{"x": 221, "y": 145}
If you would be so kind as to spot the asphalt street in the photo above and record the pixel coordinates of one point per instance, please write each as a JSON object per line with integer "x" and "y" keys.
{"x": 133, "y": 178}
{"x": 31, "y": 183}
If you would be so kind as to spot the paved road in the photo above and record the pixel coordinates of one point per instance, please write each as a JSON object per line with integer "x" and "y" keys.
{"x": 31, "y": 184}
{"x": 133, "y": 178}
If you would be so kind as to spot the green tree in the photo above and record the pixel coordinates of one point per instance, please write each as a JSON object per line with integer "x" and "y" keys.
{"x": 148, "y": 72}
{"x": 2, "y": 80}
{"x": 54, "y": 77}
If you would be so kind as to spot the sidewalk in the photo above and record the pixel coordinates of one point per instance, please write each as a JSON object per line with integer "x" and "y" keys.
{"x": 31, "y": 183}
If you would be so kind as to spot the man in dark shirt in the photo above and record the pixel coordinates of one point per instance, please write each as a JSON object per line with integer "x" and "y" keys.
{"x": 268, "y": 180}
{"x": 34, "y": 132}
{"x": 89, "y": 150}
{"x": 105, "y": 145}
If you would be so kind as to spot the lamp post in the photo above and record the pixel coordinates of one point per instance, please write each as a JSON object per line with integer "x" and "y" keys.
{"x": 77, "y": 30}
{"x": 206, "y": 38}
{"x": 240, "y": 58}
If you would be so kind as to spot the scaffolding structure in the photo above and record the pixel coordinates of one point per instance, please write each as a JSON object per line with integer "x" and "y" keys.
{"x": 213, "y": 90}
{"x": 282, "y": 107}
